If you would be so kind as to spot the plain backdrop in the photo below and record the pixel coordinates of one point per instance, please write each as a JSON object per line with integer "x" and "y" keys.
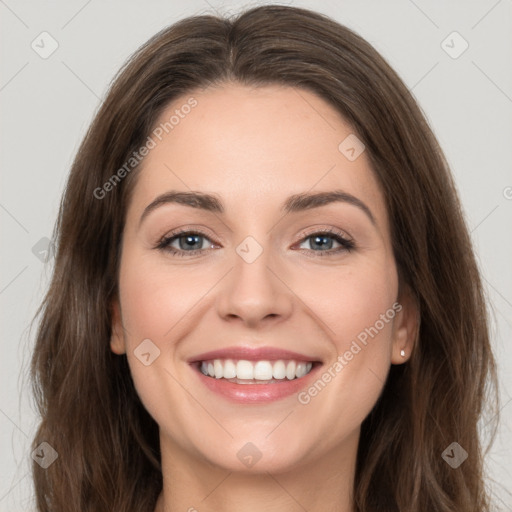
{"x": 48, "y": 101}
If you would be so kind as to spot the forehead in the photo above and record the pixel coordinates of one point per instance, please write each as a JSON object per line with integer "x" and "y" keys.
{"x": 253, "y": 147}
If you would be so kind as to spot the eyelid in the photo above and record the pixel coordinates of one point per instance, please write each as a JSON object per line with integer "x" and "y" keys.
{"x": 187, "y": 229}
{"x": 325, "y": 229}
{"x": 183, "y": 231}
{"x": 345, "y": 241}
{"x": 164, "y": 241}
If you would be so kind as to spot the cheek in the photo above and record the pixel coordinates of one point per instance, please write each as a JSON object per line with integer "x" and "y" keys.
{"x": 356, "y": 307}
{"x": 154, "y": 300}
{"x": 155, "y": 303}
{"x": 349, "y": 300}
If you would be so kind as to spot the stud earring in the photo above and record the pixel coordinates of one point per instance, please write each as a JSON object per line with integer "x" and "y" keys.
{"x": 402, "y": 353}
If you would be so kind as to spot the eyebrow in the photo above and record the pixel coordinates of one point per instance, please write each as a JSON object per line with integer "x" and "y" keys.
{"x": 293, "y": 204}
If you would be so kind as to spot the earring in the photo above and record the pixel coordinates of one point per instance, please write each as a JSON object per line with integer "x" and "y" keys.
{"x": 402, "y": 353}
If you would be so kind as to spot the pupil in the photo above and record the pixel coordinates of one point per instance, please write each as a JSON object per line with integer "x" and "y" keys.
{"x": 190, "y": 240}
{"x": 322, "y": 241}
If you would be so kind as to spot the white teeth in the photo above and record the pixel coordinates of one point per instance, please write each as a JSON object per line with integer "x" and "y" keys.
{"x": 300, "y": 371}
{"x": 244, "y": 370}
{"x": 279, "y": 370}
{"x": 290, "y": 370}
{"x": 255, "y": 370}
{"x": 217, "y": 368}
{"x": 229, "y": 369}
{"x": 263, "y": 370}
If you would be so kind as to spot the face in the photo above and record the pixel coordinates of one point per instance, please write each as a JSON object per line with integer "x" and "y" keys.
{"x": 286, "y": 267}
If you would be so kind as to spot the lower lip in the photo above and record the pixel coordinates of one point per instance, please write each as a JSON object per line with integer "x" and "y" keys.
{"x": 256, "y": 393}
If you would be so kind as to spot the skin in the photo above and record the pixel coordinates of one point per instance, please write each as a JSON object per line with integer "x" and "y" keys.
{"x": 253, "y": 148}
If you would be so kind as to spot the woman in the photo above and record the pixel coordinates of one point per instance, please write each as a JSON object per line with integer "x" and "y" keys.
{"x": 265, "y": 295}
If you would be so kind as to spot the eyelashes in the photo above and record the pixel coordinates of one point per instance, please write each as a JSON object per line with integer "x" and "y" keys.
{"x": 189, "y": 236}
{"x": 186, "y": 239}
{"x": 318, "y": 238}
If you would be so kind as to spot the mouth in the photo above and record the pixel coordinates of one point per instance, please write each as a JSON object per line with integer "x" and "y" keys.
{"x": 247, "y": 375}
{"x": 243, "y": 371}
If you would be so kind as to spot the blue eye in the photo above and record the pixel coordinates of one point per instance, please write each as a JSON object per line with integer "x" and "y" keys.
{"x": 324, "y": 241}
{"x": 190, "y": 243}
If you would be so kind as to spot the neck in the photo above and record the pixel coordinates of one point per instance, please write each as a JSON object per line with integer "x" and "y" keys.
{"x": 195, "y": 485}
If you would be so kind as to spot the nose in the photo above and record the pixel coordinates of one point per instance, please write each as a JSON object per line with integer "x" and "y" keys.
{"x": 255, "y": 293}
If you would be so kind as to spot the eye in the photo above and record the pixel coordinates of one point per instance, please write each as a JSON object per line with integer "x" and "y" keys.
{"x": 184, "y": 242}
{"x": 322, "y": 242}
{"x": 190, "y": 243}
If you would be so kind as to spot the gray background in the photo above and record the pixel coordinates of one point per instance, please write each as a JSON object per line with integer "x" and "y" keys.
{"x": 47, "y": 105}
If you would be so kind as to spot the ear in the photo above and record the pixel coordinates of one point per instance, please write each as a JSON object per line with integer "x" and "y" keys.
{"x": 117, "y": 344}
{"x": 405, "y": 326}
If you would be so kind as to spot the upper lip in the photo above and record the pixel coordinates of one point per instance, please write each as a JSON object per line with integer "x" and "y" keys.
{"x": 252, "y": 354}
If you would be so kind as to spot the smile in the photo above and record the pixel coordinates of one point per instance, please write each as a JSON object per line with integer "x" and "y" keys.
{"x": 255, "y": 372}
{"x": 254, "y": 375}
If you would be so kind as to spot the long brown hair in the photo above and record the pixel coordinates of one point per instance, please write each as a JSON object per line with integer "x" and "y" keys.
{"x": 91, "y": 415}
